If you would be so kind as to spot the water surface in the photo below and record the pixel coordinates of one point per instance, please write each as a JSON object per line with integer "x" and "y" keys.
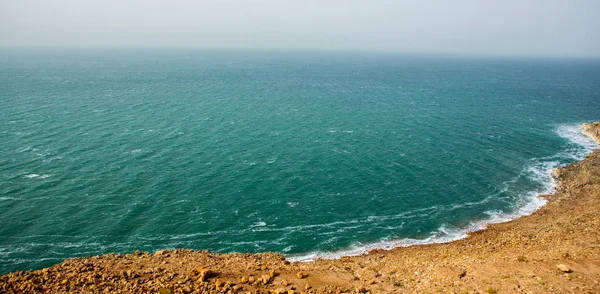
{"x": 307, "y": 154}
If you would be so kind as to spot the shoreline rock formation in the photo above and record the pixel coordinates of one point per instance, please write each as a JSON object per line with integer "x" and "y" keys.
{"x": 556, "y": 249}
{"x": 592, "y": 130}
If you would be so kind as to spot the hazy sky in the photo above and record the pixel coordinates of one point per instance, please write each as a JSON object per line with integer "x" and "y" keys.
{"x": 513, "y": 27}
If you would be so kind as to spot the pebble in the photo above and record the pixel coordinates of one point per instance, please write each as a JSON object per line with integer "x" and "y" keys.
{"x": 301, "y": 275}
{"x": 564, "y": 268}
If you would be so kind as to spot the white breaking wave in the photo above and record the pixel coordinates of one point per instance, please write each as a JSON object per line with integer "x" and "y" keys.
{"x": 34, "y": 176}
{"x": 581, "y": 144}
{"x": 9, "y": 198}
{"x": 259, "y": 224}
{"x": 540, "y": 170}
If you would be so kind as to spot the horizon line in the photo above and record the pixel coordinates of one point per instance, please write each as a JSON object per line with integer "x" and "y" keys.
{"x": 306, "y": 50}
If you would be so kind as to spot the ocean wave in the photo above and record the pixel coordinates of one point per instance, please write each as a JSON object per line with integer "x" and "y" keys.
{"x": 538, "y": 170}
{"x": 9, "y": 198}
{"x": 259, "y": 224}
{"x": 36, "y": 176}
{"x": 580, "y": 145}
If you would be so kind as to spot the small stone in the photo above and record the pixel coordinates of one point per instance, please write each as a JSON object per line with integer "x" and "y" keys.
{"x": 362, "y": 290}
{"x": 371, "y": 282}
{"x": 301, "y": 275}
{"x": 165, "y": 291}
{"x": 203, "y": 273}
{"x": 265, "y": 279}
{"x": 564, "y": 268}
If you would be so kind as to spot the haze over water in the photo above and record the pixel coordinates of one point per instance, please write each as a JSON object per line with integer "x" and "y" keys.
{"x": 307, "y": 154}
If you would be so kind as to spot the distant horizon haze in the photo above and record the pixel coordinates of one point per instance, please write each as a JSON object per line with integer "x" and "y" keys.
{"x": 553, "y": 28}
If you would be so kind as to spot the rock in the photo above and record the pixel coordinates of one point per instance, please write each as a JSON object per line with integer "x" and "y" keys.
{"x": 371, "y": 282}
{"x": 165, "y": 291}
{"x": 160, "y": 253}
{"x": 137, "y": 253}
{"x": 301, "y": 275}
{"x": 203, "y": 273}
{"x": 592, "y": 130}
{"x": 279, "y": 291}
{"x": 265, "y": 279}
{"x": 564, "y": 268}
{"x": 362, "y": 290}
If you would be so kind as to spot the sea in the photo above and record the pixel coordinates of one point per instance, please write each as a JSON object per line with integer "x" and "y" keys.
{"x": 309, "y": 154}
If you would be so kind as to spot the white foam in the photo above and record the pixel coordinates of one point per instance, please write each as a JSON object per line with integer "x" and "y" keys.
{"x": 259, "y": 224}
{"x": 443, "y": 235}
{"x": 9, "y": 198}
{"x": 581, "y": 143}
{"x": 34, "y": 176}
{"x": 538, "y": 170}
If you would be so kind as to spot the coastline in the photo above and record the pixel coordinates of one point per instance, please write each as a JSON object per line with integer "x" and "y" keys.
{"x": 554, "y": 249}
{"x": 576, "y": 134}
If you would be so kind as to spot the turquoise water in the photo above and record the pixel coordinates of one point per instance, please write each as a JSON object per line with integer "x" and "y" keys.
{"x": 307, "y": 154}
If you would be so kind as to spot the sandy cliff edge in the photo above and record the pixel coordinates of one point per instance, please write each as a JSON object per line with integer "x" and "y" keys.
{"x": 556, "y": 249}
{"x": 592, "y": 130}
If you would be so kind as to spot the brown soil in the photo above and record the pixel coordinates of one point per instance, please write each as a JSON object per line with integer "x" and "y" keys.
{"x": 554, "y": 250}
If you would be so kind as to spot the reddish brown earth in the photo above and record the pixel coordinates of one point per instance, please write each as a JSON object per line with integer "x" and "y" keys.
{"x": 554, "y": 250}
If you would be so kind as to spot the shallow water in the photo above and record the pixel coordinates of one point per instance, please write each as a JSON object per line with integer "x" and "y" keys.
{"x": 308, "y": 154}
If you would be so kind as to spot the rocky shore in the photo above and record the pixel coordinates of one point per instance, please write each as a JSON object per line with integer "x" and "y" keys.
{"x": 592, "y": 130}
{"x": 554, "y": 250}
